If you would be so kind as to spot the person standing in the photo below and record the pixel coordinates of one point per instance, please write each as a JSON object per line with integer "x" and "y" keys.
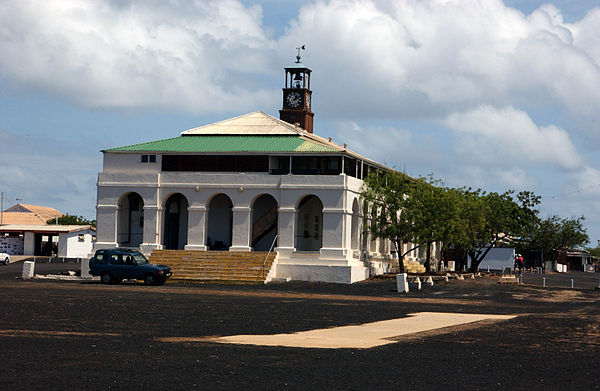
{"x": 521, "y": 262}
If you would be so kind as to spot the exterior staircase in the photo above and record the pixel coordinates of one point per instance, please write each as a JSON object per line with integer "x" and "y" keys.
{"x": 413, "y": 267}
{"x": 216, "y": 266}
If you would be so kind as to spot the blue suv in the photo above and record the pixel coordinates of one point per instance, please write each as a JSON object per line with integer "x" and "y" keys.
{"x": 116, "y": 265}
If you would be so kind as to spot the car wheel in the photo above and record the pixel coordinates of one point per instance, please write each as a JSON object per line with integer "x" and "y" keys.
{"x": 106, "y": 278}
{"x": 6, "y": 261}
{"x": 149, "y": 279}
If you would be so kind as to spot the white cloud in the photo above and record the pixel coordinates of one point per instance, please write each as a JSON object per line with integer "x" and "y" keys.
{"x": 481, "y": 68}
{"x": 497, "y": 179}
{"x": 428, "y": 58}
{"x": 387, "y": 145}
{"x": 390, "y": 58}
{"x": 506, "y": 137}
{"x": 204, "y": 56}
{"x": 47, "y": 172}
{"x": 575, "y": 195}
{"x": 586, "y": 183}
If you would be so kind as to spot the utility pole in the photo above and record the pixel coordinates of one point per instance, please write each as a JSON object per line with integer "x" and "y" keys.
{"x": 1, "y": 208}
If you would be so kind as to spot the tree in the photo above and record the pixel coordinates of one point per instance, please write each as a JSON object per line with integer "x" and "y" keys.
{"x": 418, "y": 211}
{"x": 554, "y": 233}
{"x": 68, "y": 219}
{"x": 471, "y": 221}
{"x": 435, "y": 210}
{"x": 491, "y": 218}
{"x": 594, "y": 252}
{"x": 387, "y": 196}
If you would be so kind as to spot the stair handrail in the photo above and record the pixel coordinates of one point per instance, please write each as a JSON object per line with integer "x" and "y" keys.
{"x": 267, "y": 257}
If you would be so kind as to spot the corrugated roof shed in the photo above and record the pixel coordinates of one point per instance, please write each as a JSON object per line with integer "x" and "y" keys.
{"x": 29, "y": 214}
{"x": 44, "y": 228}
{"x": 22, "y": 218}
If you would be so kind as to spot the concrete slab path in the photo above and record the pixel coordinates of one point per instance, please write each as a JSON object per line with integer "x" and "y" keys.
{"x": 363, "y": 336}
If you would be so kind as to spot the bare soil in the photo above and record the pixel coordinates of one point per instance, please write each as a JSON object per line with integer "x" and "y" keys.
{"x": 61, "y": 335}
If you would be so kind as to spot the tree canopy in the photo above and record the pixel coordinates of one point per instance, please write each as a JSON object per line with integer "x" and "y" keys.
{"x": 68, "y": 219}
{"x": 494, "y": 218}
{"x": 555, "y": 233}
{"x": 387, "y": 198}
{"x": 422, "y": 211}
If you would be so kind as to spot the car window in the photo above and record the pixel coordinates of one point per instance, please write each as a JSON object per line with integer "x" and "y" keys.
{"x": 116, "y": 259}
{"x": 139, "y": 258}
{"x": 100, "y": 257}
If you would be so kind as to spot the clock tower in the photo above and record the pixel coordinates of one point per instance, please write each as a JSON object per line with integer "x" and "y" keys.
{"x": 296, "y": 95}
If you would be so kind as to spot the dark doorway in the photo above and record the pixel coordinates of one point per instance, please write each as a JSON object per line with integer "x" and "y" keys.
{"x": 130, "y": 230}
{"x": 45, "y": 244}
{"x": 264, "y": 222}
{"x": 175, "y": 227}
{"x": 220, "y": 223}
{"x": 309, "y": 224}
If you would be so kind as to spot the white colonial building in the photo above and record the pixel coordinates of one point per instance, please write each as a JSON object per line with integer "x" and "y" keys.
{"x": 245, "y": 184}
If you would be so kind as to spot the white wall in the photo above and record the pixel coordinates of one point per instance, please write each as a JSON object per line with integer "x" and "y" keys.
{"x": 129, "y": 163}
{"x": 29, "y": 243}
{"x": 498, "y": 258}
{"x": 70, "y": 246}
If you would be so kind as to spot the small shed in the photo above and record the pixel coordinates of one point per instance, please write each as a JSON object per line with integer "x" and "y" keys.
{"x": 69, "y": 241}
{"x": 498, "y": 258}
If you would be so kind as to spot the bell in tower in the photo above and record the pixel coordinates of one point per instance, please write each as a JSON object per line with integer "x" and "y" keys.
{"x": 297, "y": 95}
{"x": 297, "y": 80}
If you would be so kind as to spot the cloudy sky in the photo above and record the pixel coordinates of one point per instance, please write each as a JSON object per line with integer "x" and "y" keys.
{"x": 483, "y": 93}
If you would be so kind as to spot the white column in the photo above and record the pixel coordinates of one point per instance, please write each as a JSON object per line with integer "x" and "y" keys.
{"x": 62, "y": 244}
{"x": 347, "y": 234}
{"x": 333, "y": 233}
{"x": 242, "y": 227}
{"x": 287, "y": 229}
{"x": 152, "y": 228}
{"x": 196, "y": 228}
{"x": 106, "y": 221}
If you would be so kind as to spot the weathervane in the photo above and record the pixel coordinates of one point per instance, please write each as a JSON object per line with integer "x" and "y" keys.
{"x": 303, "y": 47}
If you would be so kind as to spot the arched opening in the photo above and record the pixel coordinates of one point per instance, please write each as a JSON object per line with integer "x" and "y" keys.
{"x": 373, "y": 243}
{"x": 355, "y": 229}
{"x": 264, "y": 222}
{"x": 364, "y": 242}
{"x": 130, "y": 220}
{"x": 220, "y": 223}
{"x": 176, "y": 222}
{"x": 309, "y": 225}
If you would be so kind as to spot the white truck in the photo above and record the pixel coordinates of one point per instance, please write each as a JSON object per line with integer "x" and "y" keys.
{"x": 4, "y": 258}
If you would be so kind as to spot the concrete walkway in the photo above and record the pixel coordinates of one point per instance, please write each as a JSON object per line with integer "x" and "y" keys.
{"x": 362, "y": 336}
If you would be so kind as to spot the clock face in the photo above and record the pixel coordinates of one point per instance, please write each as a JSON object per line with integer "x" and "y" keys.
{"x": 294, "y": 99}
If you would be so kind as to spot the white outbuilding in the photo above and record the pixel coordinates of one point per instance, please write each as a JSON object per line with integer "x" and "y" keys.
{"x": 68, "y": 241}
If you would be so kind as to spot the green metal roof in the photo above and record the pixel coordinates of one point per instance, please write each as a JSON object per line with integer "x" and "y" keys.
{"x": 226, "y": 143}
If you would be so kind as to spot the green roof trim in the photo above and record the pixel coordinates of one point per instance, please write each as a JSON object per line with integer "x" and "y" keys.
{"x": 227, "y": 143}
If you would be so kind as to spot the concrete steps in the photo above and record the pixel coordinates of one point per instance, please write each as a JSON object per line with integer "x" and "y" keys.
{"x": 215, "y": 266}
{"x": 413, "y": 267}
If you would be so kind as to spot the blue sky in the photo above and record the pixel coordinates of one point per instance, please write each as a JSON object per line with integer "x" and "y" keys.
{"x": 490, "y": 94}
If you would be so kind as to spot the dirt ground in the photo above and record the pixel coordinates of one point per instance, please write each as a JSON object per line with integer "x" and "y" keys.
{"x": 61, "y": 335}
